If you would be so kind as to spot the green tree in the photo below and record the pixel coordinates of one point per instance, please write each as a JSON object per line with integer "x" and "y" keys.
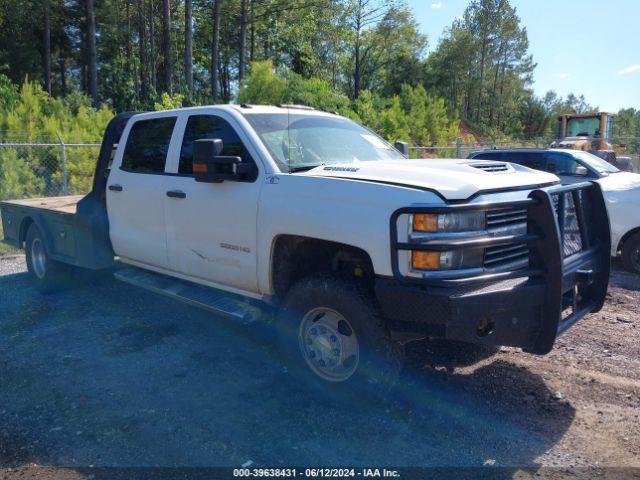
{"x": 482, "y": 66}
{"x": 31, "y": 115}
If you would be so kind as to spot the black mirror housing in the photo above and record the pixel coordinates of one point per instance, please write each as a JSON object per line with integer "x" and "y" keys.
{"x": 209, "y": 166}
{"x": 402, "y": 147}
{"x": 218, "y": 169}
{"x": 206, "y": 148}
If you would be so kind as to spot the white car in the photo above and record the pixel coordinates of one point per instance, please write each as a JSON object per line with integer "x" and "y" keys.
{"x": 246, "y": 210}
{"x": 621, "y": 190}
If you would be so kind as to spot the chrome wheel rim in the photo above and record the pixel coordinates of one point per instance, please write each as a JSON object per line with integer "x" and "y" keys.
{"x": 38, "y": 258}
{"x": 329, "y": 344}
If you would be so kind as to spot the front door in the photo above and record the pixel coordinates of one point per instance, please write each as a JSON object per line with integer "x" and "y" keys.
{"x": 565, "y": 167}
{"x": 211, "y": 227}
{"x": 135, "y": 193}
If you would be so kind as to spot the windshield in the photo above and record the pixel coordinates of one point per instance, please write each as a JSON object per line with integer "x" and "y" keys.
{"x": 583, "y": 127}
{"x": 301, "y": 141}
{"x": 595, "y": 162}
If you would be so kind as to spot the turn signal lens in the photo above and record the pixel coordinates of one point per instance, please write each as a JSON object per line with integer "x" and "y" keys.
{"x": 425, "y": 222}
{"x": 422, "y": 260}
{"x": 449, "y": 222}
{"x": 199, "y": 168}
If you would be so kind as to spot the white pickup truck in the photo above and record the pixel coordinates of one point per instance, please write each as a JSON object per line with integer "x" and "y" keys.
{"x": 356, "y": 249}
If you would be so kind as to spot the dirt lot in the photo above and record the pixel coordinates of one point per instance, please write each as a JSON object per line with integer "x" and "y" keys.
{"x": 109, "y": 375}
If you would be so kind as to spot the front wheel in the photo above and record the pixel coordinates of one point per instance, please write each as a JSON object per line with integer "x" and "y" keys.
{"x": 47, "y": 275}
{"x": 331, "y": 332}
{"x": 631, "y": 253}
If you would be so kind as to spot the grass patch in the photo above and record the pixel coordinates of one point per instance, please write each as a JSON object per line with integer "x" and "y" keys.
{"x": 5, "y": 248}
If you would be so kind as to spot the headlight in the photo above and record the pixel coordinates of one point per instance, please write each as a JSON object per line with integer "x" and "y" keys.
{"x": 427, "y": 260}
{"x": 448, "y": 222}
{"x": 452, "y": 260}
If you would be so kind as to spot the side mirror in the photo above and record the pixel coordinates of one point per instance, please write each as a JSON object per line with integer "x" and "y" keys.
{"x": 402, "y": 147}
{"x": 581, "y": 171}
{"x": 211, "y": 167}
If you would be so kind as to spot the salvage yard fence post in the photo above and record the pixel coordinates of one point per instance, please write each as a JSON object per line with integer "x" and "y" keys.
{"x": 63, "y": 164}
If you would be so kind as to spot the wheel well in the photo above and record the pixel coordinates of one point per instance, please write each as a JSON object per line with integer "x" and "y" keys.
{"x": 626, "y": 236}
{"x": 24, "y": 228}
{"x": 295, "y": 257}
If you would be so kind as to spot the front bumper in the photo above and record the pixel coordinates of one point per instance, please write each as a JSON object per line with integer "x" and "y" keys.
{"x": 525, "y": 308}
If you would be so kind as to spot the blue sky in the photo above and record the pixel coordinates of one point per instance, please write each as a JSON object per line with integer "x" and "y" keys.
{"x": 587, "y": 47}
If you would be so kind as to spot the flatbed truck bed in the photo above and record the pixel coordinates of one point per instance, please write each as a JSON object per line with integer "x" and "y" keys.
{"x": 65, "y": 204}
{"x": 76, "y": 232}
{"x": 75, "y": 227}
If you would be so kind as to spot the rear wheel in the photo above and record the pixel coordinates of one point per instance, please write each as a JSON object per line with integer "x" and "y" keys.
{"x": 331, "y": 334}
{"x": 631, "y": 253}
{"x": 47, "y": 275}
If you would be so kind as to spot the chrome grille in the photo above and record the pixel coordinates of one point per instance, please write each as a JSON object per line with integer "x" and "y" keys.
{"x": 570, "y": 232}
{"x": 497, "y": 219}
{"x": 507, "y": 222}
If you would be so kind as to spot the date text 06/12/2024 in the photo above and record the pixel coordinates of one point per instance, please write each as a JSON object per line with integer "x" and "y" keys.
{"x": 316, "y": 472}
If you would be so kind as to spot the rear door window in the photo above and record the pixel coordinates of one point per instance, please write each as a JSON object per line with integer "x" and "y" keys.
{"x": 488, "y": 156}
{"x": 147, "y": 145}
{"x": 533, "y": 160}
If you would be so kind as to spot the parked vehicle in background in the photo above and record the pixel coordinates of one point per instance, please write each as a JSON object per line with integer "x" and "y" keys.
{"x": 621, "y": 190}
{"x": 591, "y": 132}
{"x": 247, "y": 209}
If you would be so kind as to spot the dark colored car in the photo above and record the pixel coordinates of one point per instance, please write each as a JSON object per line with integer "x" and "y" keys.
{"x": 621, "y": 189}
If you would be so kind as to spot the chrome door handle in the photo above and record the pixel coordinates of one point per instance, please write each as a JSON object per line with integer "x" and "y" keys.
{"x": 176, "y": 194}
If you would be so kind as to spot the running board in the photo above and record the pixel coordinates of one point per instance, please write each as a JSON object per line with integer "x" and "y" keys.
{"x": 210, "y": 299}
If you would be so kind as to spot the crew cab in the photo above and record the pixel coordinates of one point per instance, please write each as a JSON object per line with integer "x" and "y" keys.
{"x": 247, "y": 210}
{"x": 621, "y": 190}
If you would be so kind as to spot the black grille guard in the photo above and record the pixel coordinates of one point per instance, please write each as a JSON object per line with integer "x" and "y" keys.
{"x": 576, "y": 283}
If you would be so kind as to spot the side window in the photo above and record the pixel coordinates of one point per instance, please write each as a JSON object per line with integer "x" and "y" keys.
{"x": 211, "y": 126}
{"x": 533, "y": 160}
{"x": 561, "y": 164}
{"x": 147, "y": 145}
{"x": 488, "y": 156}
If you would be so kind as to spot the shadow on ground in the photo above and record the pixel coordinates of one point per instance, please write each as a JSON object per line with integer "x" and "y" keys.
{"x": 110, "y": 375}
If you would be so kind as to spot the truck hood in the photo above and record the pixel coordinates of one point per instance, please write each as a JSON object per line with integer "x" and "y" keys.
{"x": 453, "y": 179}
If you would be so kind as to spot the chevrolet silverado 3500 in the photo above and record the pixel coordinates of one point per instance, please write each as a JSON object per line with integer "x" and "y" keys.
{"x": 357, "y": 249}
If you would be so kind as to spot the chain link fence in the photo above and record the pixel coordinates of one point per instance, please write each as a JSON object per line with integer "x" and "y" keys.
{"x": 46, "y": 169}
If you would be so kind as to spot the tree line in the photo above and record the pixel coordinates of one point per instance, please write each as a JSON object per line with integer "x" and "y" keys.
{"x": 353, "y": 56}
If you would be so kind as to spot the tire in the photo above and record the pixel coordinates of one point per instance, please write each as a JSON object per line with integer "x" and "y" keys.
{"x": 631, "y": 253}
{"x": 335, "y": 320}
{"x": 47, "y": 275}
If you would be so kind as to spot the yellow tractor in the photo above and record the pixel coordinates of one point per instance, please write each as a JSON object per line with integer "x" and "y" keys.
{"x": 590, "y": 132}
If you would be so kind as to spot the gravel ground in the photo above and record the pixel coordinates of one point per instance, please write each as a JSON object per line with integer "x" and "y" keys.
{"x": 110, "y": 375}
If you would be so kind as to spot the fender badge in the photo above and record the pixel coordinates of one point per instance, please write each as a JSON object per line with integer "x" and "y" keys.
{"x": 271, "y": 179}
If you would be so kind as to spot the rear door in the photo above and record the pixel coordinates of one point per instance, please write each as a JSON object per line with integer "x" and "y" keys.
{"x": 535, "y": 160}
{"x": 135, "y": 192}
{"x": 211, "y": 227}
